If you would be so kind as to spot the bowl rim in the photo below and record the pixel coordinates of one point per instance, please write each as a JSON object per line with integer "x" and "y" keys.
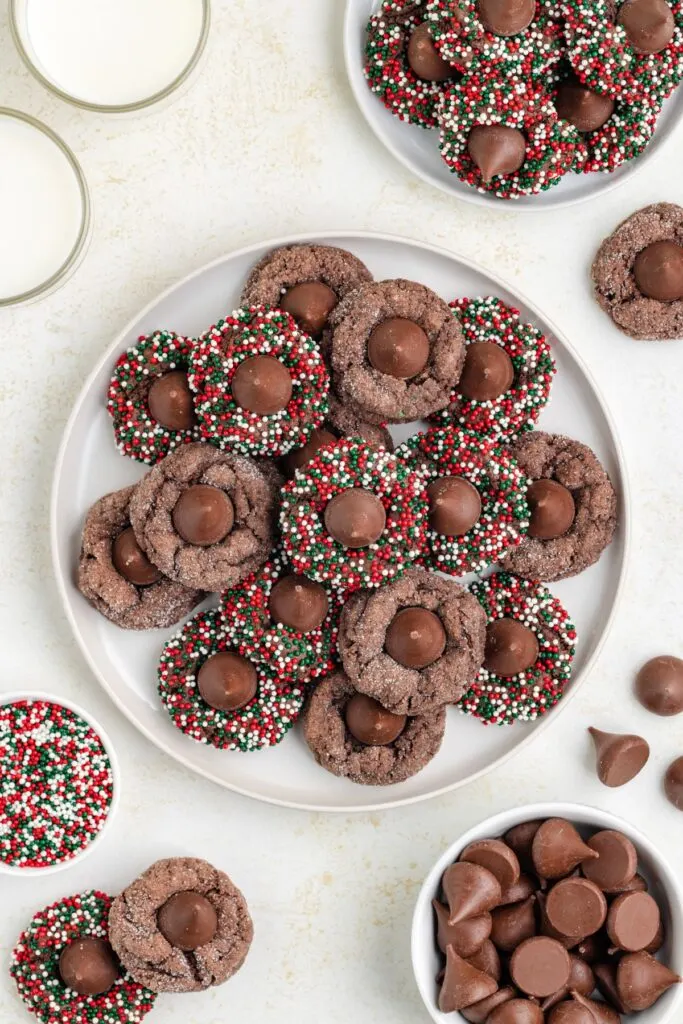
{"x": 13, "y": 697}
{"x": 498, "y": 823}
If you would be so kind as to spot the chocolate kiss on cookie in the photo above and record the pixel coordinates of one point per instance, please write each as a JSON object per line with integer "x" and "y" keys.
{"x": 487, "y": 960}
{"x": 88, "y": 966}
{"x": 517, "y": 1011}
{"x": 424, "y": 58}
{"x": 494, "y": 855}
{"x": 131, "y": 562}
{"x": 454, "y": 506}
{"x": 470, "y": 890}
{"x": 513, "y": 924}
{"x": 616, "y": 865}
{"x": 658, "y": 270}
{"x": 581, "y": 979}
{"x": 479, "y": 1013}
{"x": 602, "y": 1012}
{"x": 552, "y": 509}
{"x": 606, "y": 980}
{"x": 355, "y": 517}
{"x": 310, "y": 303}
{"x": 415, "y": 638}
{"x": 496, "y": 149}
{"x": 187, "y": 920}
{"x": 262, "y": 384}
{"x": 570, "y": 1012}
{"x": 585, "y": 109}
{"x": 575, "y": 907}
{"x": 641, "y": 980}
{"x": 370, "y": 723}
{"x": 300, "y": 457}
{"x": 649, "y": 24}
{"x": 558, "y": 848}
{"x": 463, "y": 984}
{"x": 487, "y": 373}
{"x": 467, "y": 937}
{"x": 659, "y": 685}
{"x": 511, "y": 648}
{"x": 633, "y": 921}
{"x": 398, "y": 348}
{"x": 227, "y": 681}
{"x": 619, "y": 756}
{"x": 170, "y": 401}
{"x": 506, "y": 17}
{"x": 298, "y": 603}
{"x": 203, "y": 515}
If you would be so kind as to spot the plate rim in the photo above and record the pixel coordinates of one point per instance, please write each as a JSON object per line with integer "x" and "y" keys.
{"x": 321, "y": 237}
{"x": 490, "y": 202}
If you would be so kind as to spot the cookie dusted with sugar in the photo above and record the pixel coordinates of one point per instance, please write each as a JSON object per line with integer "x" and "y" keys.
{"x": 476, "y": 493}
{"x": 183, "y": 926}
{"x": 149, "y": 397}
{"x": 501, "y": 134}
{"x": 396, "y": 351}
{"x": 352, "y": 736}
{"x": 573, "y": 508}
{"x": 530, "y": 647}
{"x": 413, "y": 645}
{"x": 216, "y": 695}
{"x": 66, "y": 970}
{"x": 305, "y": 280}
{"x": 355, "y": 517}
{"x": 403, "y": 66}
{"x": 260, "y": 383}
{"x": 285, "y": 620}
{"x": 508, "y": 371}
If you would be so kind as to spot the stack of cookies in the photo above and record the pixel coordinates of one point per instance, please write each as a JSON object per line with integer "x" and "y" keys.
{"x": 275, "y": 484}
{"x": 525, "y": 91}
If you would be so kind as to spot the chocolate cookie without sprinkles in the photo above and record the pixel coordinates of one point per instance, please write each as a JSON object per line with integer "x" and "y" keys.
{"x": 530, "y": 647}
{"x": 415, "y": 644}
{"x": 396, "y": 351}
{"x": 260, "y": 383}
{"x": 573, "y": 508}
{"x": 183, "y": 926}
{"x": 287, "y": 621}
{"x": 117, "y": 578}
{"x": 237, "y": 704}
{"x": 508, "y": 371}
{"x": 392, "y": 748}
{"x": 477, "y": 503}
{"x": 37, "y": 964}
{"x": 638, "y": 273}
{"x": 206, "y": 518}
{"x": 149, "y": 398}
{"x": 403, "y": 66}
{"x": 305, "y": 280}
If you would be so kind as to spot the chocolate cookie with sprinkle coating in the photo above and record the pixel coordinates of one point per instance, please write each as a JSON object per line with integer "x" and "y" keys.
{"x": 260, "y": 383}
{"x": 149, "y": 398}
{"x": 477, "y": 501}
{"x": 538, "y": 150}
{"x": 541, "y": 638}
{"x": 522, "y": 372}
{"x": 35, "y": 966}
{"x": 527, "y": 37}
{"x": 402, "y": 64}
{"x": 355, "y": 517}
{"x": 267, "y": 707}
{"x": 616, "y": 54}
{"x": 287, "y": 621}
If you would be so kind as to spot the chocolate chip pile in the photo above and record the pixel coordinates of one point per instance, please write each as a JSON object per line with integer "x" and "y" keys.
{"x": 524, "y": 92}
{"x": 182, "y": 926}
{"x": 274, "y": 483}
{"x": 548, "y": 925}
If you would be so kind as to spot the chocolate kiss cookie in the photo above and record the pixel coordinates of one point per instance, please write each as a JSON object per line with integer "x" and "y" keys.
{"x": 65, "y": 969}
{"x": 566, "y": 477}
{"x": 638, "y": 273}
{"x": 183, "y": 926}
{"x": 287, "y": 621}
{"x": 206, "y": 518}
{"x": 393, "y": 748}
{"x": 305, "y": 280}
{"x": 414, "y": 644}
{"x": 215, "y": 695}
{"x": 260, "y": 383}
{"x": 117, "y": 578}
{"x": 396, "y": 351}
{"x": 149, "y": 397}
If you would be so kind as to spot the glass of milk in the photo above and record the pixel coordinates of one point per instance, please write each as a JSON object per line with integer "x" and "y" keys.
{"x": 44, "y": 209}
{"x": 111, "y": 56}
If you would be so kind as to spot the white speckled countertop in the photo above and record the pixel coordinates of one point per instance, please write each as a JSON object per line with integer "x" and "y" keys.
{"x": 267, "y": 141}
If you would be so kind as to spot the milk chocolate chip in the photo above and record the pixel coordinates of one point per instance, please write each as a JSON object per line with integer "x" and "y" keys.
{"x": 673, "y": 783}
{"x": 131, "y": 562}
{"x": 300, "y": 457}
{"x": 619, "y": 756}
{"x": 576, "y": 907}
{"x": 633, "y": 921}
{"x": 570, "y": 1012}
{"x": 488, "y": 372}
{"x": 585, "y": 109}
{"x": 496, "y": 149}
{"x": 659, "y": 685}
{"x": 398, "y": 348}
{"x": 513, "y": 924}
{"x": 469, "y": 890}
{"x": 415, "y": 638}
{"x": 310, "y": 303}
{"x": 372, "y": 724}
{"x": 262, "y": 385}
{"x": 616, "y": 865}
{"x": 493, "y": 854}
{"x": 641, "y": 980}
{"x": 170, "y": 401}
{"x": 463, "y": 984}
{"x": 649, "y": 24}
{"x": 479, "y": 1013}
{"x": 227, "y": 681}
{"x": 203, "y": 515}
{"x": 558, "y": 848}
{"x": 517, "y": 1011}
{"x": 466, "y": 937}
{"x": 424, "y": 58}
{"x": 187, "y": 920}
{"x": 658, "y": 269}
{"x": 511, "y": 648}
{"x": 540, "y": 966}
{"x": 298, "y": 603}
{"x": 454, "y": 506}
{"x": 88, "y": 965}
{"x": 355, "y": 518}
{"x": 506, "y": 17}
{"x": 552, "y": 509}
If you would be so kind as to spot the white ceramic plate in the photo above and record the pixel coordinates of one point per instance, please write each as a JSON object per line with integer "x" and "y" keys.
{"x": 89, "y": 466}
{"x": 418, "y": 149}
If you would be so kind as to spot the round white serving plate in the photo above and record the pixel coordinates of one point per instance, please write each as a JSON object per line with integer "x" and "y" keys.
{"x": 418, "y": 149}
{"x": 88, "y": 466}
{"x": 663, "y": 881}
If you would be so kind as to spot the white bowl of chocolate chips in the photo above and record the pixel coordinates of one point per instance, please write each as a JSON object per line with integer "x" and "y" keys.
{"x": 552, "y": 913}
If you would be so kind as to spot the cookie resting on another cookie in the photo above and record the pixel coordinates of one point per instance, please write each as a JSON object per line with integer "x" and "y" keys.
{"x": 183, "y": 926}
{"x": 415, "y": 645}
{"x": 352, "y": 736}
